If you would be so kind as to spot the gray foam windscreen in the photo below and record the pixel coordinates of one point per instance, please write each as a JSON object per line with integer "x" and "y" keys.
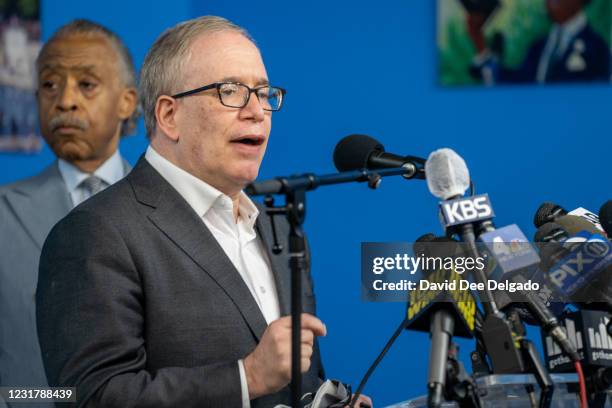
{"x": 447, "y": 174}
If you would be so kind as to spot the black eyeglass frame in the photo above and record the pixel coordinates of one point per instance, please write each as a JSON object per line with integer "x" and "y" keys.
{"x": 217, "y": 85}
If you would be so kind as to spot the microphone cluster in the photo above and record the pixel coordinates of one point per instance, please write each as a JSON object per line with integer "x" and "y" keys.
{"x": 570, "y": 260}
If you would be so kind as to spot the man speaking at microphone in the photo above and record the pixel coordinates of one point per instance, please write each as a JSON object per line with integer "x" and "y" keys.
{"x": 162, "y": 291}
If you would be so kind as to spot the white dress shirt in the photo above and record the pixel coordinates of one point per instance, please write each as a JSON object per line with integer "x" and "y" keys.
{"x": 110, "y": 172}
{"x": 237, "y": 237}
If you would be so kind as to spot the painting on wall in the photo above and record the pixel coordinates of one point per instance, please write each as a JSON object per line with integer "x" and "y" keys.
{"x": 19, "y": 46}
{"x": 493, "y": 42}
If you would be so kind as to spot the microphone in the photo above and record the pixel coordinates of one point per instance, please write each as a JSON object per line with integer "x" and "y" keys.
{"x": 353, "y": 156}
{"x": 518, "y": 261}
{"x": 447, "y": 174}
{"x": 550, "y": 212}
{"x": 547, "y": 212}
{"x": 356, "y": 152}
{"x": 580, "y": 267}
{"x": 443, "y": 313}
{"x": 448, "y": 178}
{"x": 576, "y": 264}
{"x": 550, "y": 232}
{"x": 605, "y": 217}
{"x": 556, "y": 237}
{"x": 586, "y": 329}
{"x": 575, "y": 224}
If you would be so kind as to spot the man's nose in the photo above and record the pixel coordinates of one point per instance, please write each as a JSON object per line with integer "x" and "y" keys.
{"x": 68, "y": 97}
{"x": 254, "y": 109}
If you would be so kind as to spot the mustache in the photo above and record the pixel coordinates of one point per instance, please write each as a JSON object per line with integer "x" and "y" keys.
{"x": 68, "y": 121}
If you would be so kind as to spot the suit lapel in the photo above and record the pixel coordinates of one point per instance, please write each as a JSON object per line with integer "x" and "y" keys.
{"x": 177, "y": 220}
{"x": 279, "y": 263}
{"x": 40, "y": 203}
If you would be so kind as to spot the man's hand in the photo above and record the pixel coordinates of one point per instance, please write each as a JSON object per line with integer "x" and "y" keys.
{"x": 268, "y": 367}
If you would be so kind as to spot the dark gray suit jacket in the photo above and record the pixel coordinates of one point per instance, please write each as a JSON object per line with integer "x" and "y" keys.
{"x": 138, "y": 305}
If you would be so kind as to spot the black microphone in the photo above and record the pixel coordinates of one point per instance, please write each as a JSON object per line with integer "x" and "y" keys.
{"x": 444, "y": 313}
{"x": 551, "y": 212}
{"x": 355, "y": 152}
{"x": 548, "y": 212}
{"x": 605, "y": 217}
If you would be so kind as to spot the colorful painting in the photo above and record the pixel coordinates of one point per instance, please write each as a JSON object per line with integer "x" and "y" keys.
{"x": 492, "y": 42}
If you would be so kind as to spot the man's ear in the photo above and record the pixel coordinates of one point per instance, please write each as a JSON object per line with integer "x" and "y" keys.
{"x": 127, "y": 103}
{"x": 165, "y": 115}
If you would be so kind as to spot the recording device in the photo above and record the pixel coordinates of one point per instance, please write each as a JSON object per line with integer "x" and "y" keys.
{"x": 355, "y": 152}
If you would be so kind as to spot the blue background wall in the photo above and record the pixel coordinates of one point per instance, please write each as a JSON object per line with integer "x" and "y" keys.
{"x": 364, "y": 67}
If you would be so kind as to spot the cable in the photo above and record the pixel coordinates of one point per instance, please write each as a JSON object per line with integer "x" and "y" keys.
{"x": 581, "y": 381}
{"x": 384, "y": 351}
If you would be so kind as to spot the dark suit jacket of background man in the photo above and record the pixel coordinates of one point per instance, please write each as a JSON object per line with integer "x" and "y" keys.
{"x": 138, "y": 305}
{"x": 596, "y": 56}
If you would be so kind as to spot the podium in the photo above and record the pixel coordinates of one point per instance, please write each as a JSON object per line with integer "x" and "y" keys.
{"x": 510, "y": 391}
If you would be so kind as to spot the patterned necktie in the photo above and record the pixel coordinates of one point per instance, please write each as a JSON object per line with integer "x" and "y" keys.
{"x": 92, "y": 185}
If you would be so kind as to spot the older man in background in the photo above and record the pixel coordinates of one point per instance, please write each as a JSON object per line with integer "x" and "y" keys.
{"x": 87, "y": 100}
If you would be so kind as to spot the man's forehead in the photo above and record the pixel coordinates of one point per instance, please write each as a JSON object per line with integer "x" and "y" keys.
{"x": 226, "y": 56}
{"x": 78, "y": 52}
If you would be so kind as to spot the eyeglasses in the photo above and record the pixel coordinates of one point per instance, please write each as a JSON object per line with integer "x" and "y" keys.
{"x": 237, "y": 95}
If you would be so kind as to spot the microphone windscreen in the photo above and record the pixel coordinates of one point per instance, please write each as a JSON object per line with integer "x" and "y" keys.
{"x": 447, "y": 174}
{"x": 547, "y": 212}
{"x": 574, "y": 224}
{"x": 353, "y": 151}
{"x": 605, "y": 217}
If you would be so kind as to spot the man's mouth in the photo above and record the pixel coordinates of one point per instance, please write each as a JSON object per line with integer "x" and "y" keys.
{"x": 250, "y": 140}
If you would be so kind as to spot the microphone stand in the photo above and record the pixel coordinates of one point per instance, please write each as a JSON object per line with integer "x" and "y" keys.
{"x": 294, "y": 189}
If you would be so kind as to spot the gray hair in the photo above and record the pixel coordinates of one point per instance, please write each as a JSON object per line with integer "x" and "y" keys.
{"x": 128, "y": 73}
{"x": 164, "y": 61}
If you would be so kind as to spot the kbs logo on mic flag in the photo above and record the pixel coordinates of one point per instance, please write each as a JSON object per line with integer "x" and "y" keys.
{"x": 465, "y": 210}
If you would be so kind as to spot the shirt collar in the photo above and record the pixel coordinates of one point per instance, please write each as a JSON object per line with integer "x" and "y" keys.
{"x": 575, "y": 24}
{"x": 200, "y": 195}
{"x": 111, "y": 171}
